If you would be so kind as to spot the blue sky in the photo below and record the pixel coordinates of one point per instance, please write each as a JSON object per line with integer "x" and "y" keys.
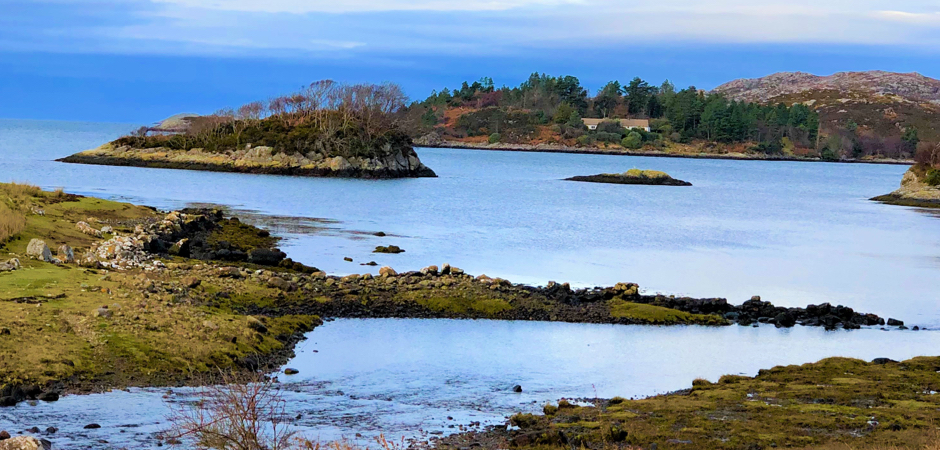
{"x": 141, "y": 60}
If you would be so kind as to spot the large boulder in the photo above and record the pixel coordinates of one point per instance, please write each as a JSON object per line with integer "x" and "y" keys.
{"x": 266, "y": 256}
{"x": 10, "y": 265}
{"x": 25, "y": 443}
{"x": 37, "y": 249}
{"x": 339, "y": 164}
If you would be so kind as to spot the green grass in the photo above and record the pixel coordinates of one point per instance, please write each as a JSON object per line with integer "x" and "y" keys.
{"x": 659, "y": 315}
{"x": 823, "y": 405}
{"x": 151, "y": 339}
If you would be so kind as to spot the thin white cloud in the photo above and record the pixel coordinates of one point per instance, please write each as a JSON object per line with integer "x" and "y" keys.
{"x": 932, "y": 18}
{"x": 346, "y": 28}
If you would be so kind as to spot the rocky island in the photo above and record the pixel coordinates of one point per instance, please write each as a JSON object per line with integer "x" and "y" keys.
{"x": 633, "y": 176}
{"x": 327, "y": 130}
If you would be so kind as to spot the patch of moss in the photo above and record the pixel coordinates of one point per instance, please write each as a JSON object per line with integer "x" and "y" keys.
{"x": 658, "y": 315}
{"x": 806, "y": 406}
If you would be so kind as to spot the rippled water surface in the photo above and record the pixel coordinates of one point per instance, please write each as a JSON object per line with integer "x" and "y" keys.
{"x": 794, "y": 233}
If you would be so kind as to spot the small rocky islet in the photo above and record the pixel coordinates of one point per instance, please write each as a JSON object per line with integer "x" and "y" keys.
{"x": 328, "y": 129}
{"x": 633, "y": 176}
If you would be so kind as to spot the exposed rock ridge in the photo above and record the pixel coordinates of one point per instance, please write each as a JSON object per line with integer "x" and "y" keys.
{"x": 910, "y": 86}
{"x": 399, "y": 163}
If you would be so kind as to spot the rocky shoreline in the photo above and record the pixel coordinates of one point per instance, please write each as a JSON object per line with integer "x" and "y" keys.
{"x": 914, "y": 191}
{"x": 400, "y": 163}
{"x": 555, "y": 148}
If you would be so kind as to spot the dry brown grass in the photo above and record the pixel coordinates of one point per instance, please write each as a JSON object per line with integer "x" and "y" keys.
{"x": 248, "y": 413}
{"x": 14, "y": 203}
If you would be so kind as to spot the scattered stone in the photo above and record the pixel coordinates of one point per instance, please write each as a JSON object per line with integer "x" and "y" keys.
{"x": 348, "y": 259}
{"x": 191, "y": 282}
{"x": 4, "y": 435}
{"x": 370, "y": 263}
{"x": 104, "y": 312}
{"x": 37, "y": 249}
{"x": 48, "y": 396}
{"x": 87, "y": 229}
{"x": 429, "y": 270}
{"x": 107, "y": 229}
{"x": 290, "y": 371}
{"x": 784, "y": 320}
{"x": 387, "y": 272}
{"x": 210, "y": 325}
{"x": 230, "y": 272}
{"x": 51, "y": 430}
{"x": 282, "y": 284}
{"x": 517, "y": 388}
{"x": 895, "y": 323}
{"x": 380, "y": 234}
{"x": 181, "y": 248}
{"x": 256, "y": 324}
{"x": 10, "y": 265}
{"x": 392, "y": 249}
{"x": 66, "y": 254}
{"x": 92, "y": 426}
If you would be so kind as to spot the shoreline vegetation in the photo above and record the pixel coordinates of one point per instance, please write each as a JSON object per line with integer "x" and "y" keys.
{"x": 557, "y": 114}
{"x": 328, "y": 129}
{"x": 135, "y": 297}
{"x": 633, "y": 176}
{"x": 690, "y": 152}
{"x": 920, "y": 185}
{"x": 836, "y": 403}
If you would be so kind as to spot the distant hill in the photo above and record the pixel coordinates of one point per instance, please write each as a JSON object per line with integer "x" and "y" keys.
{"x": 876, "y": 107}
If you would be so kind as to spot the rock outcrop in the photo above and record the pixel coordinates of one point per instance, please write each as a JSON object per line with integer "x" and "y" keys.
{"x": 914, "y": 191}
{"x": 387, "y": 162}
{"x": 37, "y": 249}
{"x": 24, "y": 443}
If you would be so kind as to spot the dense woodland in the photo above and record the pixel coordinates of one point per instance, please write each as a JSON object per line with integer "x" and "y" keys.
{"x": 519, "y": 115}
{"x": 326, "y": 117}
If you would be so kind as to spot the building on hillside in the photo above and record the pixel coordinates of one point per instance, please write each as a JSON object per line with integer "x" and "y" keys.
{"x": 630, "y": 124}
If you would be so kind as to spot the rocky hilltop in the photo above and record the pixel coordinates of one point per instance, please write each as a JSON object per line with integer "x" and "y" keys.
{"x": 391, "y": 163}
{"x": 910, "y": 86}
{"x": 868, "y": 110}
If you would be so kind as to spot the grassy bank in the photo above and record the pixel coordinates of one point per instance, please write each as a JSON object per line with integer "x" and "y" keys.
{"x": 89, "y": 328}
{"x": 837, "y": 403}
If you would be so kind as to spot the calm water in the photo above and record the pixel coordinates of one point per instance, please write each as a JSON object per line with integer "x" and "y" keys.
{"x": 404, "y": 378}
{"x": 794, "y": 233}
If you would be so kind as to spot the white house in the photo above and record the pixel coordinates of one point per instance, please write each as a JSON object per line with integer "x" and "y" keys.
{"x": 630, "y": 124}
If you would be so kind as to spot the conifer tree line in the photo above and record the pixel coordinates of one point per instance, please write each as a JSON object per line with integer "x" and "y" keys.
{"x": 679, "y": 115}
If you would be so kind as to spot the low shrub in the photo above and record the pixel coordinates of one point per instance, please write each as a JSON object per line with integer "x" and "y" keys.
{"x": 933, "y": 177}
{"x": 494, "y": 138}
{"x": 633, "y": 141}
